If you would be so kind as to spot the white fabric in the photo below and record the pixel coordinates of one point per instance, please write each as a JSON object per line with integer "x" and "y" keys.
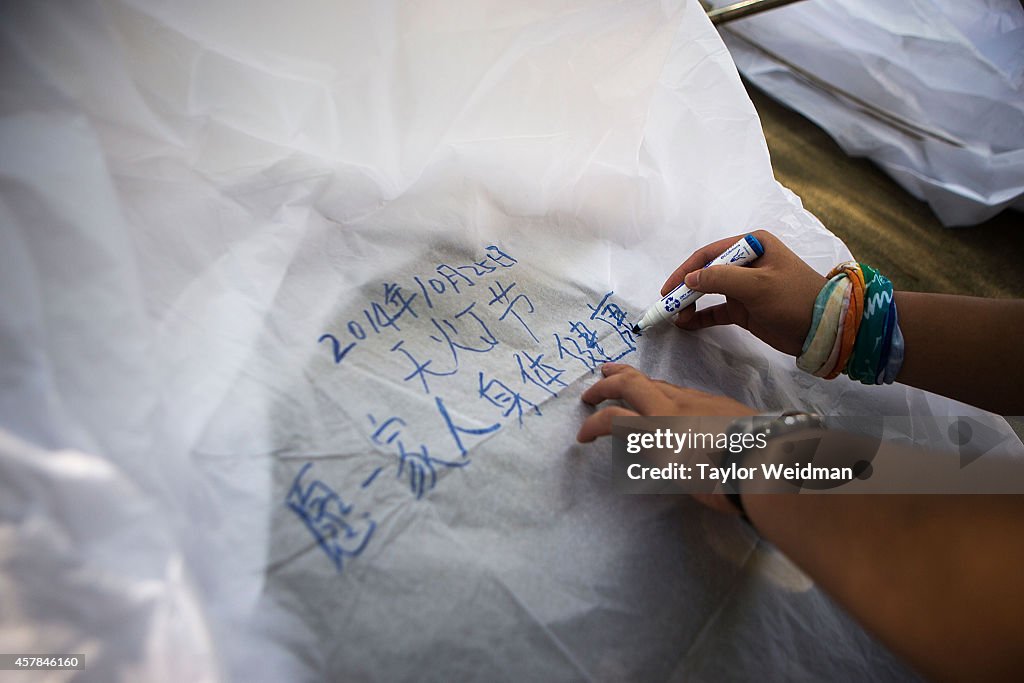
{"x": 194, "y": 194}
{"x": 863, "y": 71}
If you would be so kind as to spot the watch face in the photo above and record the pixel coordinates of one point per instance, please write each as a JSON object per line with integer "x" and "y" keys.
{"x": 752, "y": 424}
{"x": 776, "y": 425}
{"x": 794, "y": 421}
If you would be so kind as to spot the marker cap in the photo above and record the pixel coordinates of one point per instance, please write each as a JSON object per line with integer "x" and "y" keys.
{"x": 755, "y": 245}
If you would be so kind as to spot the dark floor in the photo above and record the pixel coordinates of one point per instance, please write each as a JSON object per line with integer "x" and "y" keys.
{"x": 880, "y": 221}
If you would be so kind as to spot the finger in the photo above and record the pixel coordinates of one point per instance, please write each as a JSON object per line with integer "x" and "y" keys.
{"x": 697, "y": 260}
{"x": 600, "y": 423}
{"x": 635, "y": 388}
{"x": 708, "y": 317}
{"x": 735, "y": 282}
{"x": 609, "y": 369}
{"x": 683, "y": 317}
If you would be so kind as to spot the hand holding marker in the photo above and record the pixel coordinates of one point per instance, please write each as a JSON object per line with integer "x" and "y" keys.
{"x": 741, "y": 253}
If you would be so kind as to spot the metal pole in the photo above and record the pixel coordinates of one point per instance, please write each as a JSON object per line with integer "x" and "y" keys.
{"x": 746, "y": 8}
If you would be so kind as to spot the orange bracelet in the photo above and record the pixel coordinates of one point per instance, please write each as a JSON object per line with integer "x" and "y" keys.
{"x": 851, "y": 323}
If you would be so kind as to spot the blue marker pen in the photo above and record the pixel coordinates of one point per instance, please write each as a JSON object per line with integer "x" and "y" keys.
{"x": 741, "y": 253}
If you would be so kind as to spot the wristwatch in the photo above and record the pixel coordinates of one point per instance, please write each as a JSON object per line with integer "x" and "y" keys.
{"x": 771, "y": 426}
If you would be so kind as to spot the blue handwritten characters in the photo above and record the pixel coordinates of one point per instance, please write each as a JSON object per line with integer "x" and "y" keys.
{"x": 338, "y": 531}
{"x": 415, "y": 463}
{"x": 500, "y": 395}
{"x": 463, "y": 345}
{"x": 456, "y": 431}
{"x": 533, "y": 370}
{"x": 500, "y": 295}
{"x": 388, "y": 310}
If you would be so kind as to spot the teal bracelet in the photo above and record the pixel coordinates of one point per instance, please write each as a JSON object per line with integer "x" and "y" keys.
{"x": 896, "y": 351}
{"x": 883, "y": 359}
{"x": 867, "y": 350}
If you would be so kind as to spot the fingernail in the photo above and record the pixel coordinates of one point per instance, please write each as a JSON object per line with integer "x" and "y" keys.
{"x": 693, "y": 279}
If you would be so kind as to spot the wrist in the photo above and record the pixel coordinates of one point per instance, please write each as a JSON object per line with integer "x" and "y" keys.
{"x": 766, "y": 438}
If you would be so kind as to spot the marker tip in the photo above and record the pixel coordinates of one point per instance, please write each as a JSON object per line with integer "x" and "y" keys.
{"x": 636, "y": 330}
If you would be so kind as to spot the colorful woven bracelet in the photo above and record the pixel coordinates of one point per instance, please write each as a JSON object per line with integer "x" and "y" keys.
{"x": 824, "y": 325}
{"x": 883, "y": 357}
{"x": 854, "y": 328}
{"x": 833, "y": 357}
{"x": 863, "y": 362}
{"x": 854, "y": 311}
{"x": 896, "y": 350}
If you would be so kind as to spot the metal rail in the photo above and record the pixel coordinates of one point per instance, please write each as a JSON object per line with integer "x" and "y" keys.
{"x": 739, "y": 10}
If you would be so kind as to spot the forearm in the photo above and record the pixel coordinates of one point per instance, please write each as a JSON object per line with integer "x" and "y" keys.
{"x": 965, "y": 348}
{"x": 934, "y": 577}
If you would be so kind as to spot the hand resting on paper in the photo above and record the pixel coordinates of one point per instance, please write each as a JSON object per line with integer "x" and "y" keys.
{"x": 652, "y": 397}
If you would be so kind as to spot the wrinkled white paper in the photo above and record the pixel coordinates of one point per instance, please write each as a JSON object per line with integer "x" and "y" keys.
{"x": 298, "y": 303}
{"x": 930, "y": 90}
